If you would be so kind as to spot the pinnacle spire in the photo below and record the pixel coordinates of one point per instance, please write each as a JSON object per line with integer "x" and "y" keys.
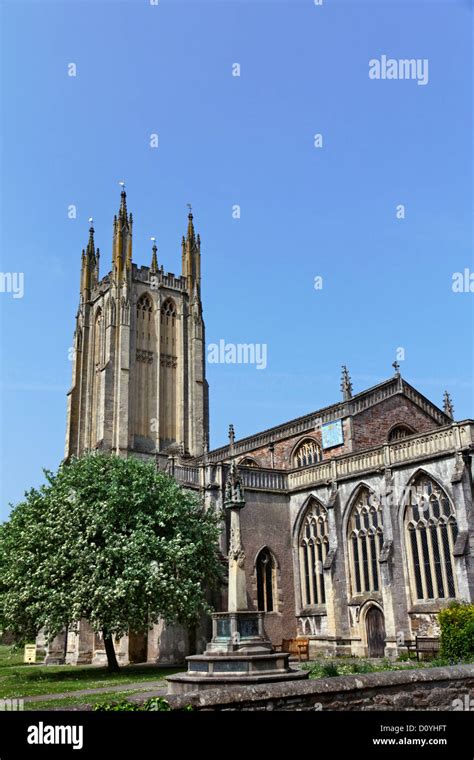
{"x": 448, "y": 405}
{"x": 190, "y": 235}
{"x": 191, "y": 258}
{"x": 231, "y": 440}
{"x": 123, "y": 202}
{"x": 346, "y": 384}
{"x": 91, "y": 244}
{"x": 90, "y": 264}
{"x": 122, "y": 240}
{"x": 154, "y": 258}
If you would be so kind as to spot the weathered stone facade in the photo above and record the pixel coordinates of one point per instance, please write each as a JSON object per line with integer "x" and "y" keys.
{"x": 139, "y": 384}
{"x": 356, "y": 542}
{"x": 278, "y": 500}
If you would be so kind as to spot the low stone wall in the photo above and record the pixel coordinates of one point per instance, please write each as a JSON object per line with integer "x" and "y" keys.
{"x": 424, "y": 689}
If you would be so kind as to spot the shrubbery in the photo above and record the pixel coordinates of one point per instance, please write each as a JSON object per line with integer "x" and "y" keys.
{"x": 153, "y": 704}
{"x": 330, "y": 669}
{"x": 457, "y": 631}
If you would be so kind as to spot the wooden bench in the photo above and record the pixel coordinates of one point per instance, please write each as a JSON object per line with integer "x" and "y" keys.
{"x": 424, "y": 645}
{"x": 298, "y": 646}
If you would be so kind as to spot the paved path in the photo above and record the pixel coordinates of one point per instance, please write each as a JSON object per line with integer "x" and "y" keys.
{"x": 158, "y": 687}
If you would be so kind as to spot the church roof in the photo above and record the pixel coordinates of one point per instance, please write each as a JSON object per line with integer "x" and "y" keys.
{"x": 346, "y": 408}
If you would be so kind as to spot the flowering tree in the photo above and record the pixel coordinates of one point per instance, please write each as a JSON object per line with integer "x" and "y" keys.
{"x": 111, "y": 540}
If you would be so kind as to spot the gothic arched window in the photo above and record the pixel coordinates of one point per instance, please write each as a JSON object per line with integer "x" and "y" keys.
{"x": 98, "y": 361}
{"x": 144, "y": 396}
{"x": 98, "y": 340}
{"x": 169, "y": 309}
{"x": 400, "y": 431}
{"x": 145, "y": 327}
{"x": 431, "y": 530}
{"x": 144, "y": 306}
{"x": 313, "y": 549}
{"x": 308, "y": 452}
{"x": 169, "y": 401}
{"x": 365, "y": 537}
{"x": 110, "y": 312}
{"x": 266, "y": 570}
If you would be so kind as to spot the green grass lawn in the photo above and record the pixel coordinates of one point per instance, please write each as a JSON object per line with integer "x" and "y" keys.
{"x": 20, "y": 680}
{"x": 91, "y": 699}
{"x": 8, "y": 659}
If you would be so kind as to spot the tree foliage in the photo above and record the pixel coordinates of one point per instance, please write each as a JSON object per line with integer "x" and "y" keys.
{"x": 107, "y": 539}
{"x": 457, "y": 631}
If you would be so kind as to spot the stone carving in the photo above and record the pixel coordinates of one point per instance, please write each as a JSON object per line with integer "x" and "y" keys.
{"x": 125, "y": 311}
{"x": 166, "y": 360}
{"x": 233, "y": 488}
{"x": 458, "y": 468}
{"x": 236, "y": 551}
{"x": 145, "y": 356}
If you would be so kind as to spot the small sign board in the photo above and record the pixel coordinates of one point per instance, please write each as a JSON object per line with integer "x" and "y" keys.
{"x": 30, "y": 653}
{"x": 332, "y": 434}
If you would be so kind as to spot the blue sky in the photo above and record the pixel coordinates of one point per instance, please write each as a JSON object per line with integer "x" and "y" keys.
{"x": 247, "y": 140}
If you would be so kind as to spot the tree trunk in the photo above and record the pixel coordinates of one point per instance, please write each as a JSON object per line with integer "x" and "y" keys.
{"x": 192, "y": 644}
{"x": 112, "y": 664}
{"x": 65, "y": 641}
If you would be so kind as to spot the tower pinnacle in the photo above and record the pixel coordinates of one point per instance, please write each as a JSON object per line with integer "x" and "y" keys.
{"x": 90, "y": 264}
{"x": 122, "y": 241}
{"x": 190, "y": 235}
{"x": 231, "y": 439}
{"x": 123, "y": 202}
{"x": 91, "y": 244}
{"x": 448, "y": 405}
{"x": 191, "y": 257}
{"x": 346, "y": 385}
{"x": 154, "y": 258}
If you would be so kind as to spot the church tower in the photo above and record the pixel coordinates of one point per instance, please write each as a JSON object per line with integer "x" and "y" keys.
{"x": 139, "y": 384}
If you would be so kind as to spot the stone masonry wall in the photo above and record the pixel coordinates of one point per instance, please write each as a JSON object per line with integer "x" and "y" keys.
{"x": 365, "y": 429}
{"x": 424, "y": 689}
{"x": 265, "y": 522}
{"x": 372, "y": 426}
{"x": 282, "y": 451}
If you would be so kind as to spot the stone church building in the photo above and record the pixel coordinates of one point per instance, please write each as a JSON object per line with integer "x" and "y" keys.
{"x": 358, "y": 524}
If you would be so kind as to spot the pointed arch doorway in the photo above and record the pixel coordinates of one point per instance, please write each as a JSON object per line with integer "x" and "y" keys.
{"x": 375, "y": 631}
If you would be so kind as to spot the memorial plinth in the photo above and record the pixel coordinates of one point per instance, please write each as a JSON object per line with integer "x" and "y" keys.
{"x": 239, "y": 652}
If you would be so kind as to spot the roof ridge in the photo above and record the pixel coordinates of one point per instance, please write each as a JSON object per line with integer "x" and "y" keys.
{"x": 332, "y": 407}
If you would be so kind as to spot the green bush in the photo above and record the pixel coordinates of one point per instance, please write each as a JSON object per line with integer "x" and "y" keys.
{"x": 457, "y": 631}
{"x": 157, "y": 704}
{"x": 123, "y": 705}
{"x": 362, "y": 667}
{"x": 403, "y": 657}
{"x": 330, "y": 669}
{"x": 154, "y": 704}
